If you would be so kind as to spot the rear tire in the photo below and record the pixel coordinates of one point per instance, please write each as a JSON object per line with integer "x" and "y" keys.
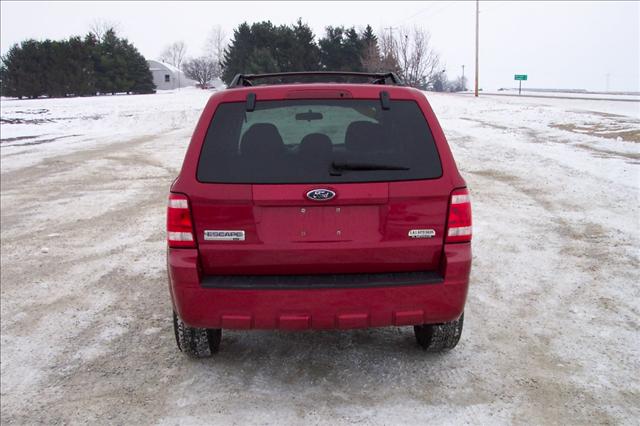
{"x": 196, "y": 342}
{"x": 439, "y": 337}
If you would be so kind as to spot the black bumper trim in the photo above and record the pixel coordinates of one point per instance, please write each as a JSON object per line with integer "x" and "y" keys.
{"x": 320, "y": 281}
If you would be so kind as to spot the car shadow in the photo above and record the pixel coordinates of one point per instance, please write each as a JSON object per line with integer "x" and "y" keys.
{"x": 339, "y": 360}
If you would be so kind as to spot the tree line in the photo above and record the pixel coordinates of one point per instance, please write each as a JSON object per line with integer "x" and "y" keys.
{"x": 263, "y": 47}
{"x": 99, "y": 63}
{"x": 102, "y": 62}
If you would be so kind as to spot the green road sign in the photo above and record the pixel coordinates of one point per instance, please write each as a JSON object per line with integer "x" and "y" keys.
{"x": 520, "y": 77}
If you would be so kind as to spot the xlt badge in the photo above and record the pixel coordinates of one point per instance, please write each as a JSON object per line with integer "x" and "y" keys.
{"x": 211, "y": 235}
{"x": 422, "y": 233}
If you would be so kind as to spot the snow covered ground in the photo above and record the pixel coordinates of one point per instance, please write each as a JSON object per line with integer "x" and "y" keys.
{"x": 30, "y": 127}
{"x": 630, "y": 96}
{"x": 552, "y": 328}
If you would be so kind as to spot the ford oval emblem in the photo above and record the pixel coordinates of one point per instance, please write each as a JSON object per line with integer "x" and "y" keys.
{"x": 321, "y": 194}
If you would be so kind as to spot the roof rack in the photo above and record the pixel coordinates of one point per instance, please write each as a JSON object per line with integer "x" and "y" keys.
{"x": 314, "y": 77}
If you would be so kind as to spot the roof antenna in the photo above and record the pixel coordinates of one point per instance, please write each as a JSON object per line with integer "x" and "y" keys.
{"x": 384, "y": 100}
{"x": 251, "y": 102}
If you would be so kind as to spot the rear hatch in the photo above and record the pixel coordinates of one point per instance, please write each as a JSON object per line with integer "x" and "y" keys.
{"x": 319, "y": 186}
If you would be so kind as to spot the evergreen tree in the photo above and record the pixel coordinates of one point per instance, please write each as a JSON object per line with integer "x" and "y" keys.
{"x": 76, "y": 67}
{"x": 282, "y": 47}
{"x": 80, "y": 68}
{"x": 112, "y": 65}
{"x": 54, "y": 79}
{"x": 68, "y": 67}
{"x": 305, "y": 53}
{"x": 342, "y": 49}
{"x": 352, "y": 50}
{"x": 23, "y": 71}
{"x": 263, "y": 47}
{"x": 371, "y": 58}
{"x": 137, "y": 70}
{"x": 236, "y": 56}
{"x": 3, "y": 78}
{"x": 261, "y": 61}
{"x": 368, "y": 36}
{"x": 331, "y": 49}
{"x": 120, "y": 67}
{"x": 140, "y": 74}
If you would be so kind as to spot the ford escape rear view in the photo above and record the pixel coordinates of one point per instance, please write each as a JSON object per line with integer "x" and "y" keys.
{"x": 318, "y": 201}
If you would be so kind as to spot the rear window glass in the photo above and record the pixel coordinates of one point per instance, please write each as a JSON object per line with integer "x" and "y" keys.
{"x": 318, "y": 141}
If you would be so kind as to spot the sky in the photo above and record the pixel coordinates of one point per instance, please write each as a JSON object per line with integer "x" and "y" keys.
{"x": 563, "y": 45}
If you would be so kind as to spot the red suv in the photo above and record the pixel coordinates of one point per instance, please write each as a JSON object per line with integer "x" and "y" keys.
{"x": 318, "y": 201}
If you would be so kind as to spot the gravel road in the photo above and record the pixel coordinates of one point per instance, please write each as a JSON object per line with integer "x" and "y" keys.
{"x": 551, "y": 328}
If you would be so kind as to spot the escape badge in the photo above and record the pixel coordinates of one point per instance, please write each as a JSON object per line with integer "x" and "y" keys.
{"x": 212, "y": 235}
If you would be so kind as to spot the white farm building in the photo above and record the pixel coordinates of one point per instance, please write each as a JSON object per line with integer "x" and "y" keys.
{"x": 168, "y": 77}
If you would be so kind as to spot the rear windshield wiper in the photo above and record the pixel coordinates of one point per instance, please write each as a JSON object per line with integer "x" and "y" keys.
{"x": 365, "y": 166}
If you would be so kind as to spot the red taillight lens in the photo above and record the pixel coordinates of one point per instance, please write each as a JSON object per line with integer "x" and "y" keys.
{"x": 179, "y": 225}
{"x": 459, "y": 221}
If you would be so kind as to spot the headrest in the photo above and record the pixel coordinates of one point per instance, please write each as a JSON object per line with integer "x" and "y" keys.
{"x": 316, "y": 145}
{"x": 261, "y": 140}
{"x": 364, "y": 136}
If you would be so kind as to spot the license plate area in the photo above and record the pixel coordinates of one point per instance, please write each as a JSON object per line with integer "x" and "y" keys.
{"x": 319, "y": 223}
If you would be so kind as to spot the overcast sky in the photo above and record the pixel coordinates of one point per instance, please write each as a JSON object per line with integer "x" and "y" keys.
{"x": 558, "y": 44}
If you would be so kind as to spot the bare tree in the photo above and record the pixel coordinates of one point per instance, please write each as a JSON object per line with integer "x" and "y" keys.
{"x": 417, "y": 61}
{"x": 388, "y": 51}
{"x": 459, "y": 85}
{"x": 440, "y": 83}
{"x": 216, "y": 43}
{"x": 215, "y": 46}
{"x": 99, "y": 28}
{"x": 408, "y": 52}
{"x": 202, "y": 70}
{"x": 174, "y": 54}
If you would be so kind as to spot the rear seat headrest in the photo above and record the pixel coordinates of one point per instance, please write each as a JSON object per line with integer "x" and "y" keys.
{"x": 364, "y": 136}
{"x": 316, "y": 145}
{"x": 261, "y": 140}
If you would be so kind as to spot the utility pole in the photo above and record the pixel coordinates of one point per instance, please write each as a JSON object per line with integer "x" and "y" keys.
{"x": 391, "y": 40}
{"x": 477, "y": 42}
{"x": 390, "y": 29}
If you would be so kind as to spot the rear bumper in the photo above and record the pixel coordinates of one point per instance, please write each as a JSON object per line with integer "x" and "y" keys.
{"x": 318, "y": 308}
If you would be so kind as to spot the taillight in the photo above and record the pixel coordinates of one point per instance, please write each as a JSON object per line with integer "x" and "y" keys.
{"x": 459, "y": 221}
{"x": 179, "y": 225}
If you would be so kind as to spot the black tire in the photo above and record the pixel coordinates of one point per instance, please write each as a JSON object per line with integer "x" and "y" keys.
{"x": 196, "y": 342}
{"x": 439, "y": 337}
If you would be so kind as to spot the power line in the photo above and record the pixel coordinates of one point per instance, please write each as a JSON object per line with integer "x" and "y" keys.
{"x": 446, "y": 6}
{"x": 439, "y": 8}
{"x": 416, "y": 14}
{"x": 436, "y": 11}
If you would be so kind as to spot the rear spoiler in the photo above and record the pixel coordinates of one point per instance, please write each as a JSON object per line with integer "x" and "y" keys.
{"x": 243, "y": 80}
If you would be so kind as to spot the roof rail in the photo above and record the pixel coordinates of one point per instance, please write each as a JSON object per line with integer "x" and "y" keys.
{"x": 314, "y": 77}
